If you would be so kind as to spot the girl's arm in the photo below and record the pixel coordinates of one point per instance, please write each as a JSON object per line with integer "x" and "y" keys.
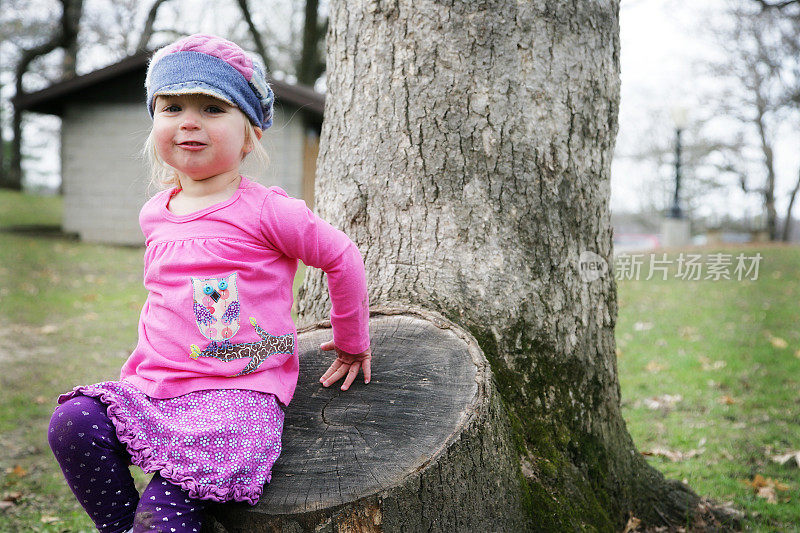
{"x": 292, "y": 228}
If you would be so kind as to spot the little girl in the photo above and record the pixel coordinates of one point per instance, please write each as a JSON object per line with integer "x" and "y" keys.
{"x": 200, "y": 401}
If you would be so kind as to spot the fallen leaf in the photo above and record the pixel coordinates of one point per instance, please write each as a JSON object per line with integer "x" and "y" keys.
{"x": 12, "y": 496}
{"x": 708, "y": 364}
{"x": 727, "y": 400}
{"x": 768, "y": 493}
{"x": 49, "y": 519}
{"x": 797, "y": 354}
{"x": 6, "y": 505}
{"x": 655, "y": 366}
{"x": 48, "y": 328}
{"x": 791, "y": 459}
{"x": 778, "y": 342}
{"x": 665, "y": 401}
{"x": 642, "y": 326}
{"x": 17, "y": 471}
{"x": 672, "y": 455}
{"x": 766, "y": 487}
{"x": 40, "y": 400}
{"x": 689, "y": 333}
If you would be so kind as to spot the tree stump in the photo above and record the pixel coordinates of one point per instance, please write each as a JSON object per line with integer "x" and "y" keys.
{"x": 423, "y": 447}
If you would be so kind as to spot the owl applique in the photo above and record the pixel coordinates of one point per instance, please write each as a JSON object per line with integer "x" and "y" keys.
{"x": 216, "y": 311}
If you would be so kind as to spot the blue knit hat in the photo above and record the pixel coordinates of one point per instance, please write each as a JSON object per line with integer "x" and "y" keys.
{"x": 206, "y": 64}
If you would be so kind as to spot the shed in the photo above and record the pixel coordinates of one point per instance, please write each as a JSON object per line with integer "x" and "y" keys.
{"x": 104, "y": 124}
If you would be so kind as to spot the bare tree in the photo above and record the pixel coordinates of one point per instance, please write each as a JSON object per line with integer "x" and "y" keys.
{"x": 753, "y": 101}
{"x": 65, "y": 36}
{"x": 789, "y": 26}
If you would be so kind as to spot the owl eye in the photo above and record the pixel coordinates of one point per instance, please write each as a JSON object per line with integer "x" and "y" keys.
{"x": 208, "y": 290}
{"x": 223, "y": 285}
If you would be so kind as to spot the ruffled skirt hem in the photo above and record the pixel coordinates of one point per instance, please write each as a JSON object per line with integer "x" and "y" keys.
{"x": 143, "y": 456}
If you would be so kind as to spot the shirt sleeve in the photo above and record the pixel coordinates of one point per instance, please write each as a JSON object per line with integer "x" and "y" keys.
{"x": 294, "y": 230}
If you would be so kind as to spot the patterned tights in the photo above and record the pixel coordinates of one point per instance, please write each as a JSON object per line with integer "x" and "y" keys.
{"x": 95, "y": 464}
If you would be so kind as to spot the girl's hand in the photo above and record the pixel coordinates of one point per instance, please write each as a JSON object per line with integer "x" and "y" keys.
{"x": 346, "y": 363}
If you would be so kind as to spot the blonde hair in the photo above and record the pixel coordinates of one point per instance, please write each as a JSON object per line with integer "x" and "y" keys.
{"x": 163, "y": 176}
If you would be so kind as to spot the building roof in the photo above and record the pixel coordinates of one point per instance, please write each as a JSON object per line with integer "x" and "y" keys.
{"x": 124, "y": 82}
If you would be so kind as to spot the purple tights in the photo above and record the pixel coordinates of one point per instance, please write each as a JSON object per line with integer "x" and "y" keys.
{"x": 95, "y": 464}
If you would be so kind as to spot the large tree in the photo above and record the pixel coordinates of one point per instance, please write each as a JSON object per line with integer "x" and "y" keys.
{"x": 466, "y": 149}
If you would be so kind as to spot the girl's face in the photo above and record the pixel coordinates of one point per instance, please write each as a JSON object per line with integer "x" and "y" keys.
{"x": 199, "y": 136}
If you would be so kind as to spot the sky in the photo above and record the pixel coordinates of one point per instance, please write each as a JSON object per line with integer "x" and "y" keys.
{"x": 662, "y": 44}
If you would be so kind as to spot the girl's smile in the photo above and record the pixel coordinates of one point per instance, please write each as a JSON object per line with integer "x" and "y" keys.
{"x": 192, "y": 145}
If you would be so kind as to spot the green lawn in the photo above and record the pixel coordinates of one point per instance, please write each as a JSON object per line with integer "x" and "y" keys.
{"x": 709, "y": 370}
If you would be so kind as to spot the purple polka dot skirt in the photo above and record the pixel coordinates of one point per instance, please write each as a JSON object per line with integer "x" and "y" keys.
{"x": 218, "y": 445}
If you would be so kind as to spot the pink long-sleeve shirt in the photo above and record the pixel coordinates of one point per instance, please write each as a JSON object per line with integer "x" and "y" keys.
{"x": 218, "y": 312}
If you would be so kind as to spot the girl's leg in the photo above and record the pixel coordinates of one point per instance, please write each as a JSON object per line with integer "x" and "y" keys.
{"x": 94, "y": 462}
{"x": 167, "y": 508}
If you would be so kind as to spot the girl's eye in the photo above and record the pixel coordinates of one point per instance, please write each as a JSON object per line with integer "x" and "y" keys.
{"x": 214, "y": 109}
{"x": 172, "y": 108}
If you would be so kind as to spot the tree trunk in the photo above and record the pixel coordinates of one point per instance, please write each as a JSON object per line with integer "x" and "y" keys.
{"x": 311, "y": 65}
{"x": 787, "y": 221}
{"x": 466, "y": 149}
{"x": 769, "y": 167}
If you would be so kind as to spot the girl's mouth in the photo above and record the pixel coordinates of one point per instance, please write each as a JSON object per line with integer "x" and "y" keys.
{"x": 192, "y": 145}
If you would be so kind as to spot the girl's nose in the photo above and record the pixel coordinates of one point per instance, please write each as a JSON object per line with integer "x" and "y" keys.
{"x": 191, "y": 120}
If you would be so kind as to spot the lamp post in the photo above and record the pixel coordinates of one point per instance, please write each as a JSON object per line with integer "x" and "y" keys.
{"x": 675, "y": 228}
{"x": 680, "y": 116}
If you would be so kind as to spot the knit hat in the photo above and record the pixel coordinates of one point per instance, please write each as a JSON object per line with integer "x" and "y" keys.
{"x": 206, "y": 64}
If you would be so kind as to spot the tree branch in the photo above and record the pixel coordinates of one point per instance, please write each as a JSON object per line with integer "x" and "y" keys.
{"x": 775, "y": 5}
{"x": 262, "y": 51}
{"x": 147, "y": 32}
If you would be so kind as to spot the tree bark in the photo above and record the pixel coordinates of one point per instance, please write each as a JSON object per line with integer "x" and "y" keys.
{"x": 466, "y": 149}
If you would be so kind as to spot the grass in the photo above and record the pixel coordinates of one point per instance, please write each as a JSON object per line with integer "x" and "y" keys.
{"x": 728, "y": 349}
{"x": 731, "y": 351}
{"x": 69, "y": 313}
